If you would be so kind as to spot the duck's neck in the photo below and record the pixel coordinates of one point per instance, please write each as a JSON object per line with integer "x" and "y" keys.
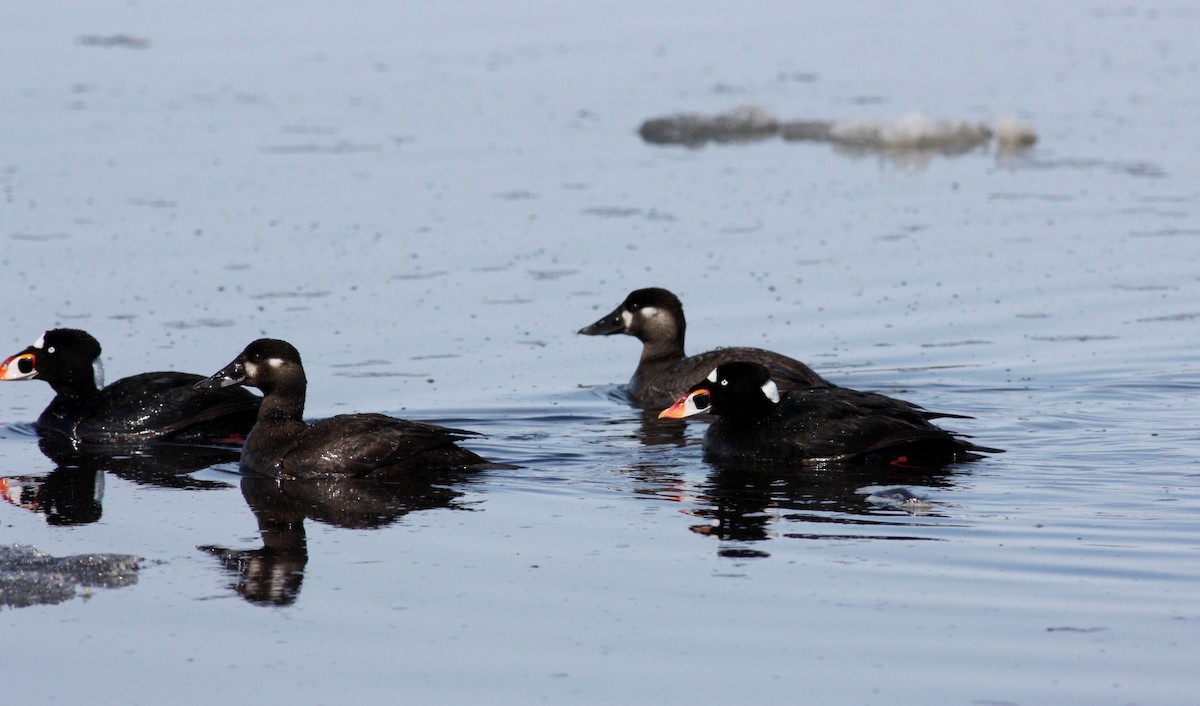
{"x": 281, "y": 405}
{"x": 75, "y": 385}
{"x": 663, "y": 346}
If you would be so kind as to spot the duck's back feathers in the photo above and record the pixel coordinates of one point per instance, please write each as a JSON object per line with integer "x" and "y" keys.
{"x": 823, "y": 424}
{"x": 150, "y": 406}
{"x": 659, "y": 383}
{"x": 375, "y": 445}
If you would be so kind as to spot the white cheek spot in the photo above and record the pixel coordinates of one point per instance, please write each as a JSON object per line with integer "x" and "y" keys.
{"x": 649, "y": 312}
{"x": 41, "y": 342}
{"x": 275, "y": 362}
{"x": 771, "y": 391}
{"x": 98, "y": 373}
{"x": 712, "y": 377}
{"x": 251, "y": 369}
{"x": 627, "y": 318}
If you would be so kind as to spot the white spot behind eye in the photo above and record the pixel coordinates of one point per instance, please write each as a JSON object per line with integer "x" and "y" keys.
{"x": 98, "y": 373}
{"x": 41, "y": 342}
{"x": 771, "y": 390}
{"x": 712, "y": 377}
{"x": 649, "y": 311}
{"x": 275, "y": 362}
{"x": 627, "y": 318}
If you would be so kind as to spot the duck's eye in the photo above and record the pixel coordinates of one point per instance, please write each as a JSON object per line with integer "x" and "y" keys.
{"x": 50, "y": 349}
{"x": 724, "y": 383}
{"x": 635, "y": 307}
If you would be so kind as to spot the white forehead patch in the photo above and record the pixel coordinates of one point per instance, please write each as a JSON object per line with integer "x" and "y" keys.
{"x": 41, "y": 342}
{"x": 649, "y": 311}
{"x": 771, "y": 391}
{"x": 627, "y": 318}
{"x": 712, "y": 377}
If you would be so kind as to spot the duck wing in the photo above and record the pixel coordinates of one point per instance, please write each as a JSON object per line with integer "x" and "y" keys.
{"x": 157, "y": 405}
{"x": 365, "y": 444}
{"x": 659, "y": 383}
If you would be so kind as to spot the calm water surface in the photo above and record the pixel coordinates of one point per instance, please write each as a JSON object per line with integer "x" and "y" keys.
{"x": 429, "y": 200}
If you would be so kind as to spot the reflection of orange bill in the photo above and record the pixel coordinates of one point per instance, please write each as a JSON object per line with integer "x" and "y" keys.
{"x": 11, "y": 490}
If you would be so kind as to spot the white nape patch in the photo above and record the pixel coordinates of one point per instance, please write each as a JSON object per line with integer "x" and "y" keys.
{"x": 41, "y": 342}
{"x": 627, "y": 318}
{"x": 771, "y": 391}
{"x": 712, "y": 377}
{"x": 98, "y": 373}
{"x": 649, "y": 311}
{"x": 275, "y": 362}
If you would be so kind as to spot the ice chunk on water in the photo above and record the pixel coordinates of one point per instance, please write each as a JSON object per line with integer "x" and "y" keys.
{"x": 915, "y": 131}
{"x": 29, "y": 577}
{"x": 742, "y": 124}
{"x": 915, "y": 134}
{"x": 1014, "y": 133}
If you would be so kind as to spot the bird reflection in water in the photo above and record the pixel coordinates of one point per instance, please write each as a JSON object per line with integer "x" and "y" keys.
{"x": 273, "y": 574}
{"x": 73, "y": 493}
{"x": 744, "y": 502}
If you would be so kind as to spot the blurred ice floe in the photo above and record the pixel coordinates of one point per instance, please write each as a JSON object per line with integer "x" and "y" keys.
{"x": 742, "y": 124}
{"x": 29, "y": 577}
{"x": 912, "y": 134}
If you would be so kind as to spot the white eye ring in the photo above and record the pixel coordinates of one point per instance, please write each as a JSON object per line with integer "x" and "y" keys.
{"x": 50, "y": 349}
{"x": 724, "y": 383}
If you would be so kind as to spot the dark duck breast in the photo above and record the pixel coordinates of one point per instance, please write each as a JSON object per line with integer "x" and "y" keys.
{"x": 655, "y": 317}
{"x": 136, "y": 409}
{"x": 282, "y": 445}
{"x": 758, "y": 422}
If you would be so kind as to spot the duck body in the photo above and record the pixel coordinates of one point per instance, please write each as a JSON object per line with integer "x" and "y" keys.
{"x": 281, "y": 445}
{"x": 758, "y": 422}
{"x": 158, "y": 406}
{"x": 655, "y": 317}
{"x": 659, "y": 382}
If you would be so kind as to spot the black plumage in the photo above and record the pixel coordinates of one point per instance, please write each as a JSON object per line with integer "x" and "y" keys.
{"x": 756, "y": 421}
{"x": 136, "y": 409}
{"x": 282, "y": 445}
{"x": 655, "y": 317}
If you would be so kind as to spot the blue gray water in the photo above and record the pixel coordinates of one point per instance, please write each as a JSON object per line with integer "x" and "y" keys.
{"x": 428, "y": 199}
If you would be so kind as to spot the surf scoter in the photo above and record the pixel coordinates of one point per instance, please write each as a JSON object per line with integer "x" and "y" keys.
{"x": 655, "y": 317}
{"x": 136, "y": 409}
{"x": 757, "y": 422}
{"x": 282, "y": 445}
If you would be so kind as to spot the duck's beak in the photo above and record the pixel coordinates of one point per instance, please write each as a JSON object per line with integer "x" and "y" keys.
{"x": 691, "y": 403}
{"x": 232, "y": 374}
{"x": 608, "y": 324}
{"x": 22, "y": 366}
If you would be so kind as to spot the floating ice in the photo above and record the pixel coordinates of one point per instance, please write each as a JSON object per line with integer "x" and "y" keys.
{"x": 742, "y": 124}
{"x": 914, "y": 132}
{"x": 895, "y": 496}
{"x": 29, "y": 577}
